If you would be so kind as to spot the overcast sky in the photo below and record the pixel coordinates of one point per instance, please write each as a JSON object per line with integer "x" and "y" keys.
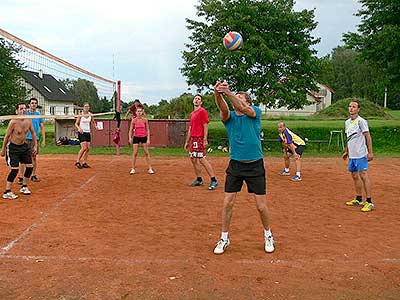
{"x": 145, "y": 37}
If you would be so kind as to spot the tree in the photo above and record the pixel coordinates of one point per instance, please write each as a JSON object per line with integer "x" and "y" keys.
{"x": 350, "y": 77}
{"x": 277, "y": 44}
{"x": 11, "y": 90}
{"x": 378, "y": 40}
{"x": 86, "y": 91}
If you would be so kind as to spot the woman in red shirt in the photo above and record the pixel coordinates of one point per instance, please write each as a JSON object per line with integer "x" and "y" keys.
{"x": 139, "y": 133}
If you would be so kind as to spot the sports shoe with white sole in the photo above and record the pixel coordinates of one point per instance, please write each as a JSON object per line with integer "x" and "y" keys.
{"x": 10, "y": 195}
{"x": 132, "y": 171}
{"x": 213, "y": 185}
{"x": 284, "y": 173}
{"x": 24, "y": 190}
{"x": 221, "y": 246}
{"x": 269, "y": 244}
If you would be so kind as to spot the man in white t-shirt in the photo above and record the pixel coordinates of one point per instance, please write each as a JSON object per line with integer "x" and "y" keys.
{"x": 359, "y": 152}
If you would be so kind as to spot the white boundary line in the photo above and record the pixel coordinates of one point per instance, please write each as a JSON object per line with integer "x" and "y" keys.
{"x": 44, "y": 217}
{"x": 133, "y": 261}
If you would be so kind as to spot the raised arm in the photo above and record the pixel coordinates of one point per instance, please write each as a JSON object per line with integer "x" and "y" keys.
{"x": 237, "y": 103}
{"x": 221, "y": 103}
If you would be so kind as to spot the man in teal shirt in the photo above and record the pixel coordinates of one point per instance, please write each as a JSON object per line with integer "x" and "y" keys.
{"x": 37, "y": 124}
{"x": 243, "y": 126}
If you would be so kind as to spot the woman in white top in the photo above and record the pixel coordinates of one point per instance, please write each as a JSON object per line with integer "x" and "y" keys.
{"x": 83, "y": 123}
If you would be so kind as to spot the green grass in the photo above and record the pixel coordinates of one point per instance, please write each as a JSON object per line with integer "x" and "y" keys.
{"x": 395, "y": 114}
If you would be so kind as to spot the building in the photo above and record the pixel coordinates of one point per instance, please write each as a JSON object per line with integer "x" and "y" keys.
{"x": 319, "y": 100}
{"x": 52, "y": 95}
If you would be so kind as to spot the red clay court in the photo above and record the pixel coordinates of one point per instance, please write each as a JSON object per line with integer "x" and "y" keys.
{"x": 100, "y": 233}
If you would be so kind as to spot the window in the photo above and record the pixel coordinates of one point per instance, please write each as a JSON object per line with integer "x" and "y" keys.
{"x": 47, "y": 89}
{"x": 66, "y": 110}
{"x": 52, "y": 110}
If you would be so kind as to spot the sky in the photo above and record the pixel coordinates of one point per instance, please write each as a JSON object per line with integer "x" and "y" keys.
{"x": 139, "y": 42}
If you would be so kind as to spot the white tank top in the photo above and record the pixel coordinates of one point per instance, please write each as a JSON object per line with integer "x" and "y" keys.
{"x": 85, "y": 123}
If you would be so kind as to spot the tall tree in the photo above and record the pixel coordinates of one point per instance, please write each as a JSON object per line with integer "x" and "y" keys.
{"x": 11, "y": 90}
{"x": 378, "y": 39}
{"x": 86, "y": 91}
{"x": 277, "y": 44}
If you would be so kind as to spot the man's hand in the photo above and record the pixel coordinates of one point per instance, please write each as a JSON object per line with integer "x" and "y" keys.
{"x": 345, "y": 155}
{"x": 185, "y": 146}
{"x": 205, "y": 142}
{"x": 43, "y": 144}
{"x": 370, "y": 156}
{"x": 296, "y": 155}
{"x": 34, "y": 150}
{"x": 223, "y": 88}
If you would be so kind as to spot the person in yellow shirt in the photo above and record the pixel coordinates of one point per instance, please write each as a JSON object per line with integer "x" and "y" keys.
{"x": 292, "y": 144}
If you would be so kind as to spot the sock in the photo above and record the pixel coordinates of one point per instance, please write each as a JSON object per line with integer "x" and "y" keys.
{"x": 6, "y": 191}
{"x": 199, "y": 179}
{"x": 298, "y": 174}
{"x": 224, "y": 236}
{"x": 24, "y": 185}
{"x": 359, "y": 198}
{"x": 369, "y": 200}
{"x": 287, "y": 170}
{"x": 213, "y": 179}
{"x": 267, "y": 233}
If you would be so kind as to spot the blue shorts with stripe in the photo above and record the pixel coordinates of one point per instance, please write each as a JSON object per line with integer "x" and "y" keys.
{"x": 358, "y": 164}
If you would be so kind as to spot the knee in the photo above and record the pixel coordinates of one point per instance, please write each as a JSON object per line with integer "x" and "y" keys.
{"x": 355, "y": 175}
{"x": 28, "y": 171}
{"x": 12, "y": 175}
{"x": 261, "y": 207}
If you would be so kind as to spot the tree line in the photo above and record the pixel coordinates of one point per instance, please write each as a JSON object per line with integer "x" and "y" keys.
{"x": 277, "y": 64}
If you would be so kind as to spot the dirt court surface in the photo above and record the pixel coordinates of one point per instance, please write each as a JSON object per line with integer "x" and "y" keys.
{"x": 100, "y": 233}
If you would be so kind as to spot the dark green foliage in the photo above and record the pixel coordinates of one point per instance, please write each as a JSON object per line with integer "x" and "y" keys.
{"x": 378, "y": 42}
{"x": 340, "y": 110}
{"x": 11, "y": 91}
{"x": 277, "y": 44}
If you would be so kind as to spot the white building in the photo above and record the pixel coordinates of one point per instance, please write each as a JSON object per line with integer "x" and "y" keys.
{"x": 319, "y": 100}
{"x": 52, "y": 95}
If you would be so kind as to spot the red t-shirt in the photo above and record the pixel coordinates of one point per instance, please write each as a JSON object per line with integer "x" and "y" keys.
{"x": 197, "y": 120}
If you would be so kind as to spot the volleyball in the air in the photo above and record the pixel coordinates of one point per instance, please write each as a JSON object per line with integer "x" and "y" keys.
{"x": 233, "y": 41}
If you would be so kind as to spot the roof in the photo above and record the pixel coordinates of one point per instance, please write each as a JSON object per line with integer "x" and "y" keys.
{"x": 49, "y": 87}
{"x": 328, "y": 88}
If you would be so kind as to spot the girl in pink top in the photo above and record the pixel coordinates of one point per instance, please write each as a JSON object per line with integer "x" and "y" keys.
{"x": 139, "y": 133}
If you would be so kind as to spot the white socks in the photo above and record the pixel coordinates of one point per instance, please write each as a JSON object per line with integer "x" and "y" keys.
{"x": 267, "y": 233}
{"x": 224, "y": 236}
{"x": 298, "y": 174}
{"x": 287, "y": 170}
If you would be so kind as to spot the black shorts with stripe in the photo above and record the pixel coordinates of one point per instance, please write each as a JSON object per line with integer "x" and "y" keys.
{"x": 17, "y": 154}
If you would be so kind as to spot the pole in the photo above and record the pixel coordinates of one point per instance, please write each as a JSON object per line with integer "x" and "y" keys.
{"x": 119, "y": 95}
{"x": 385, "y": 99}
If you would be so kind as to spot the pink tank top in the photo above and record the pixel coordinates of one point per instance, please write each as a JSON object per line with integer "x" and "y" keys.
{"x": 140, "y": 128}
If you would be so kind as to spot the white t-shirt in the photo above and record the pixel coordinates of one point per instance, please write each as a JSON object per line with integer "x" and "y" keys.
{"x": 356, "y": 143}
{"x": 85, "y": 123}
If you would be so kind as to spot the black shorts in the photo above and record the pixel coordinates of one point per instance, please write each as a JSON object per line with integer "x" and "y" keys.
{"x": 31, "y": 144}
{"x": 139, "y": 140}
{"x": 16, "y": 154}
{"x": 299, "y": 150}
{"x": 84, "y": 137}
{"x": 252, "y": 173}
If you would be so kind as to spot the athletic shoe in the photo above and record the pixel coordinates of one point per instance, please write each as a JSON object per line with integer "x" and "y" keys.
{"x": 213, "y": 185}
{"x": 34, "y": 178}
{"x": 20, "y": 181}
{"x": 10, "y": 195}
{"x": 85, "y": 165}
{"x": 284, "y": 173}
{"x": 221, "y": 246}
{"x": 355, "y": 202}
{"x": 197, "y": 183}
{"x": 269, "y": 244}
{"x": 296, "y": 178}
{"x": 132, "y": 171}
{"x": 78, "y": 165}
{"x": 24, "y": 190}
{"x": 150, "y": 171}
{"x": 368, "y": 207}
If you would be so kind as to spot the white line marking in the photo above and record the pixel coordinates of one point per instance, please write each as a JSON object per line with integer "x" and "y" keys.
{"x": 45, "y": 216}
{"x": 133, "y": 261}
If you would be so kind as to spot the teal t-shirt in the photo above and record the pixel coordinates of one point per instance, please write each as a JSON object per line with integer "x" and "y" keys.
{"x": 244, "y": 136}
{"x": 35, "y": 125}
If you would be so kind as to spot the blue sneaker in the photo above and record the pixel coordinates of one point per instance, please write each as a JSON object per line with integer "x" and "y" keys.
{"x": 296, "y": 178}
{"x": 213, "y": 185}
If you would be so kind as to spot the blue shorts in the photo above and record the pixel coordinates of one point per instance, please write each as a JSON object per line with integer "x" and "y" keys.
{"x": 358, "y": 164}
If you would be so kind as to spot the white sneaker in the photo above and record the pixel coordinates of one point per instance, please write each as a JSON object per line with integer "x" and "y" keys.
{"x": 150, "y": 171}
{"x": 269, "y": 244}
{"x": 24, "y": 190}
{"x": 10, "y": 195}
{"x": 221, "y": 246}
{"x": 132, "y": 171}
